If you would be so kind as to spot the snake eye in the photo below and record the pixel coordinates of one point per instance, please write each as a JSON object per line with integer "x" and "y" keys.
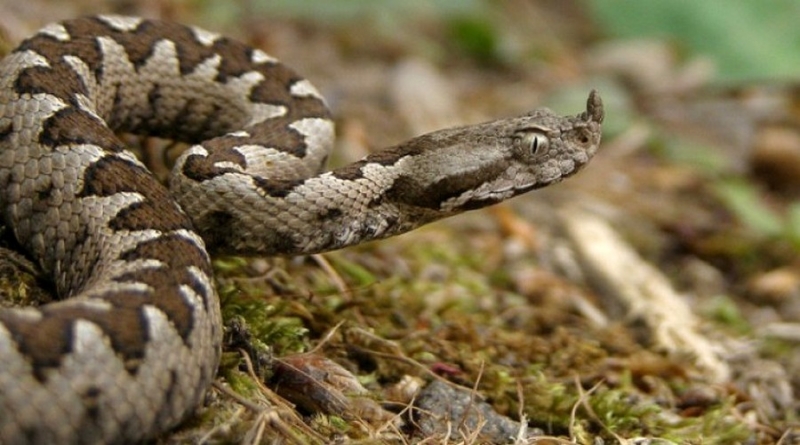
{"x": 536, "y": 143}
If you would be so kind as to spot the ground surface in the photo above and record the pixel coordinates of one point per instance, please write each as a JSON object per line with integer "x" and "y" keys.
{"x": 656, "y": 295}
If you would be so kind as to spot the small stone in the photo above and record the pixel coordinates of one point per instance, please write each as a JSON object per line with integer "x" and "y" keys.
{"x": 775, "y": 286}
{"x": 443, "y": 408}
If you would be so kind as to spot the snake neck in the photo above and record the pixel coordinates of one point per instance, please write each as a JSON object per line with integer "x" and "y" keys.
{"x": 390, "y": 192}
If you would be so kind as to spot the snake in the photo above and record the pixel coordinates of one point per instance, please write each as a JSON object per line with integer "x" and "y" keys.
{"x": 131, "y": 342}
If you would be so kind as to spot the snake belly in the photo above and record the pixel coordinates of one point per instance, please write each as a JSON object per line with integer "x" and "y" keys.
{"x": 133, "y": 341}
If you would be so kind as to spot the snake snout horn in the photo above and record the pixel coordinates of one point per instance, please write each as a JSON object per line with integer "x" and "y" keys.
{"x": 594, "y": 108}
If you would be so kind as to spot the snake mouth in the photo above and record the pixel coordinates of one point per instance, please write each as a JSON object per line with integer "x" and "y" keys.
{"x": 499, "y": 195}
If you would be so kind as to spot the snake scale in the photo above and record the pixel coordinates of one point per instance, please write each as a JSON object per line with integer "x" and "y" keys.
{"x": 133, "y": 340}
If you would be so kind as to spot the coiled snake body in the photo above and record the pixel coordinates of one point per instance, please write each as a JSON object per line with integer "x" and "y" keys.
{"x": 134, "y": 340}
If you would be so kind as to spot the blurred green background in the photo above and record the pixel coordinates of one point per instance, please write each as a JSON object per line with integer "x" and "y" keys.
{"x": 747, "y": 39}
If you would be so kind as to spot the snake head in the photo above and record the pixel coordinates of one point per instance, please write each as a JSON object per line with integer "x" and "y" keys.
{"x": 549, "y": 148}
{"x": 471, "y": 167}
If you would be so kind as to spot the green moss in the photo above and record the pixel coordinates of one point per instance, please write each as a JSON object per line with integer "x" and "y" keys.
{"x": 262, "y": 320}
